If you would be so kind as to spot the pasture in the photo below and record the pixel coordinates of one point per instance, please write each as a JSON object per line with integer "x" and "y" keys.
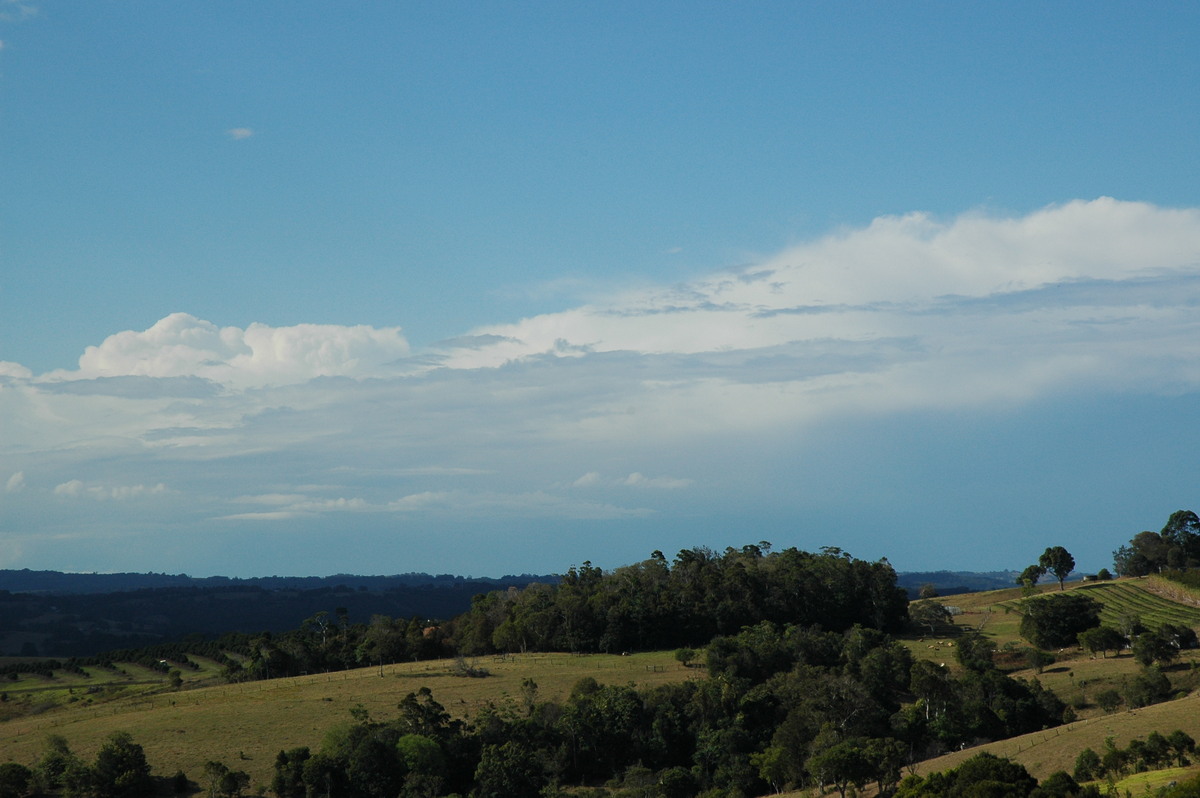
{"x": 246, "y": 725}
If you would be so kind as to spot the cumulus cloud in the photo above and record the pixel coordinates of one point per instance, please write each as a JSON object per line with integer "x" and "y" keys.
{"x": 180, "y": 345}
{"x": 16, "y": 483}
{"x": 14, "y": 370}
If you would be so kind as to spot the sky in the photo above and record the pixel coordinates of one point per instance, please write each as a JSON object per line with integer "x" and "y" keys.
{"x": 306, "y": 288}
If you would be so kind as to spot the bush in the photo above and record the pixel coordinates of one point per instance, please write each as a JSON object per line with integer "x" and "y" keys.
{"x": 1149, "y": 687}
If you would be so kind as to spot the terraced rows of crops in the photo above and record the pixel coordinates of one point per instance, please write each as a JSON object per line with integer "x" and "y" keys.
{"x": 1122, "y": 598}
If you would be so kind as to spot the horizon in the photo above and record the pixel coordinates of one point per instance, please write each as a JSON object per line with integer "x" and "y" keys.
{"x": 491, "y": 289}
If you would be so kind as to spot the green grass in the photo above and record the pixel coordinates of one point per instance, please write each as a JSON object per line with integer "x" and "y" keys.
{"x": 1146, "y": 783}
{"x": 1076, "y": 676}
{"x": 1133, "y": 597}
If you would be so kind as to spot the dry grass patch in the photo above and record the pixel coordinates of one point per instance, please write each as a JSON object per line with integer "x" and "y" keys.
{"x": 1044, "y": 752}
{"x": 246, "y": 725}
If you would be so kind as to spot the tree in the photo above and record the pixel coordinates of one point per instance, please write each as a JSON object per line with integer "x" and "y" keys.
{"x": 509, "y": 769}
{"x": 1151, "y": 647}
{"x": 14, "y": 780}
{"x": 685, "y": 656}
{"x": 121, "y": 770}
{"x": 1029, "y": 578}
{"x": 1087, "y": 765}
{"x": 1108, "y": 700}
{"x": 421, "y": 755}
{"x": 57, "y": 765}
{"x": 234, "y": 783}
{"x": 1037, "y": 659}
{"x": 929, "y": 613}
{"x": 841, "y": 764}
{"x": 1181, "y": 745}
{"x": 1149, "y": 687}
{"x": 1181, "y": 535}
{"x": 1176, "y": 546}
{"x": 1059, "y": 562}
{"x": 288, "y": 781}
{"x": 1101, "y": 639}
{"x": 1056, "y": 621}
{"x": 975, "y": 653}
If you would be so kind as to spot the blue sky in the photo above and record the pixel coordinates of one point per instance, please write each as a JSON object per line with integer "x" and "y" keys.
{"x": 488, "y": 288}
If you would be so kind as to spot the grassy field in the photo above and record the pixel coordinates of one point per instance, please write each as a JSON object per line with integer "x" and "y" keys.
{"x": 246, "y": 725}
{"x": 1076, "y": 677}
{"x": 1044, "y": 752}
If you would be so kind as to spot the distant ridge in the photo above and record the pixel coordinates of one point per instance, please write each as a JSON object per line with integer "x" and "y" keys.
{"x": 49, "y": 613}
{"x": 948, "y": 583}
{"x": 60, "y": 583}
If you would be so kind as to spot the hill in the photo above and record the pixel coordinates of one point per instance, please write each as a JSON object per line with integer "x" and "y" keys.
{"x": 953, "y": 582}
{"x": 246, "y": 725}
{"x": 60, "y": 583}
{"x": 80, "y": 623}
{"x": 754, "y": 717}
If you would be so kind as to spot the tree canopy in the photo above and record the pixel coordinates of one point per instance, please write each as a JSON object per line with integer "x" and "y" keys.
{"x": 1057, "y": 561}
{"x": 1056, "y": 620}
{"x": 1177, "y": 545}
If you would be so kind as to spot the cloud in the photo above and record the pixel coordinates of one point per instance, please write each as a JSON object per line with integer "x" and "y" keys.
{"x": 636, "y": 480}
{"x": 846, "y": 286}
{"x": 16, "y": 483}
{"x": 618, "y": 408}
{"x": 633, "y": 480}
{"x": 533, "y": 504}
{"x": 290, "y": 506}
{"x": 77, "y": 488}
{"x": 239, "y": 133}
{"x": 14, "y": 370}
{"x": 182, "y": 346}
{"x": 17, "y": 11}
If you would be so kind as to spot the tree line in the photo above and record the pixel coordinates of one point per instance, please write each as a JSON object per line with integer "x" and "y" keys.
{"x": 782, "y": 706}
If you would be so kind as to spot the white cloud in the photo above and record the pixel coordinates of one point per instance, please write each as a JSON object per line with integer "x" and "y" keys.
{"x": 849, "y": 285}
{"x": 536, "y": 504}
{"x": 609, "y": 410}
{"x": 14, "y": 370}
{"x": 77, "y": 488}
{"x": 633, "y": 480}
{"x": 239, "y": 133}
{"x": 16, "y": 483}
{"x": 181, "y": 345}
{"x": 637, "y": 480}
{"x": 72, "y": 488}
